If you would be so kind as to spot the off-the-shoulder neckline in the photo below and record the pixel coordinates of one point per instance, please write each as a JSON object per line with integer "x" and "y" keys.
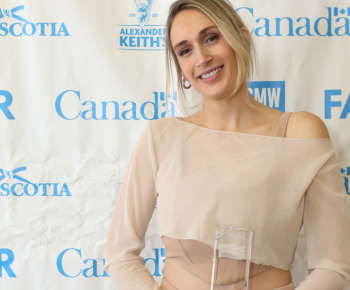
{"x": 251, "y": 135}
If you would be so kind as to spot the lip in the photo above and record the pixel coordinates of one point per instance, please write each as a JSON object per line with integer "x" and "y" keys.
{"x": 210, "y": 79}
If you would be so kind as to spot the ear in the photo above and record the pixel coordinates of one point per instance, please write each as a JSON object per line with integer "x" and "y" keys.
{"x": 246, "y": 33}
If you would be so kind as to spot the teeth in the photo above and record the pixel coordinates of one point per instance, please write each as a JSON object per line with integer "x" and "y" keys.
{"x": 214, "y": 72}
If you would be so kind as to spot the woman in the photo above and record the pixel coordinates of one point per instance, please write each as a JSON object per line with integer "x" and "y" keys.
{"x": 235, "y": 162}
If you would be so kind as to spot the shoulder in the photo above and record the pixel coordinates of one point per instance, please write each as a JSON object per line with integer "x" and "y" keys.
{"x": 161, "y": 126}
{"x": 306, "y": 125}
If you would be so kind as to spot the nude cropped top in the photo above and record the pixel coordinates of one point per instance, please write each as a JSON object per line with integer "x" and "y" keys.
{"x": 198, "y": 177}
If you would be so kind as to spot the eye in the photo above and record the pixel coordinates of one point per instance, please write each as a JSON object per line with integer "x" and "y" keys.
{"x": 212, "y": 37}
{"x": 182, "y": 52}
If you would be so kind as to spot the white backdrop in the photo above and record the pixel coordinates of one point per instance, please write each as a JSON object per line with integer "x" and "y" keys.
{"x": 80, "y": 80}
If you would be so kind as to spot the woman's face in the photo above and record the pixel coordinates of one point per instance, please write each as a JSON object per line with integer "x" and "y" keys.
{"x": 205, "y": 58}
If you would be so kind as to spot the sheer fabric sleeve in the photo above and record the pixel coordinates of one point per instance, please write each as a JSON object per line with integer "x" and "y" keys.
{"x": 327, "y": 230}
{"x": 132, "y": 212}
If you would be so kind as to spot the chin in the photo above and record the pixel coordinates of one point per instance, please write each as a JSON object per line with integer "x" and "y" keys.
{"x": 215, "y": 95}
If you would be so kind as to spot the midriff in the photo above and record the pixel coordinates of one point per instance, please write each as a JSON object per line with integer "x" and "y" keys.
{"x": 188, "y": 266}
{"x": 269, "y": 279}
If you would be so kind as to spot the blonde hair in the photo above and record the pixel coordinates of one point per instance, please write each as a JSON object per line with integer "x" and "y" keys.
{"x": 223, "y": 14}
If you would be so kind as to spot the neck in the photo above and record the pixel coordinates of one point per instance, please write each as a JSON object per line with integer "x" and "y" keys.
{"x": 231, "y": 113}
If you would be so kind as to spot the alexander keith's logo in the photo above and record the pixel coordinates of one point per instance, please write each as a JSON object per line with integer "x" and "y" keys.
{"x": 27, "y": 28}
{"x": 144, "y": 35}
{"x": 144, "y": 10}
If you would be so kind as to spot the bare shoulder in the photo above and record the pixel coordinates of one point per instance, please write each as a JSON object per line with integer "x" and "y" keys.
{"x": 306, "y": 125}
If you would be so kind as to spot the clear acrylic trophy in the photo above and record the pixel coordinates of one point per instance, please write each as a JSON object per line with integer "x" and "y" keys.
{"x": 231, "y": 243}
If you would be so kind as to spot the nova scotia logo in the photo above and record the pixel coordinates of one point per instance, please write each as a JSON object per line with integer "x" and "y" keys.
{"x": 144, "y": 10}
{"x": 11, "y": 13}
{"x": 29, "y": 188}
{"x": 27, "y": 28}
{"x": 12, "y": 174}
{"x": 142, "y": 36}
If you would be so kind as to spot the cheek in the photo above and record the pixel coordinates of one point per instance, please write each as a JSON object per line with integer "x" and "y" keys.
{"x": 187, "y": 67}
{"x": 228, "y": 53}
{"x": 232, "y": 58}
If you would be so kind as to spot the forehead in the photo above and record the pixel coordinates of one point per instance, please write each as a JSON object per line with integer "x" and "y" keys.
{"x": 187, "y": 25}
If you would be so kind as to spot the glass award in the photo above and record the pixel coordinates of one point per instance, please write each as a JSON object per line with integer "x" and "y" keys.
{"x": 232, "y": 251}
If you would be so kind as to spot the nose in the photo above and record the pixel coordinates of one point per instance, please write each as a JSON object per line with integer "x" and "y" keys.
{"x": 203, "y": 57}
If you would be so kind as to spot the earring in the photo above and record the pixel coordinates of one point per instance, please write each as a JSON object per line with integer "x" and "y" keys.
{"x": 183, "y": 83}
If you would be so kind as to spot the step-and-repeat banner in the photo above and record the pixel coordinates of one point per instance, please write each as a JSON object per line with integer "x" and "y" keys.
{"x": 80, "y": 80}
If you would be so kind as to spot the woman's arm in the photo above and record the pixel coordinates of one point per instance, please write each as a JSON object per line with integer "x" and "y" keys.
{"x": 133, "y": 210}
{"x": 324, "y": 279}
{"x": 327, "y": 230}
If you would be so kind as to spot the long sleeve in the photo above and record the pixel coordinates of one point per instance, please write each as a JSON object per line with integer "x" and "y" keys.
{"x": 327, "y": 230}
{"x": 132, "y": 213}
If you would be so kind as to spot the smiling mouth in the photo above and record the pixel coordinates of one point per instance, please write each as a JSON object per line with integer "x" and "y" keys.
{"x": 212, "y": 73}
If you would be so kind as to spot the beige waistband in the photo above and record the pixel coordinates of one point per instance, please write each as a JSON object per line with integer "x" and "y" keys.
{"x": 177, "y": 278}
{"x": 165, "y": 285}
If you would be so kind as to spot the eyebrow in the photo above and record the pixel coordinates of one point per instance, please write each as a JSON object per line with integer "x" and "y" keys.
{"x": 204, "y": 30}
